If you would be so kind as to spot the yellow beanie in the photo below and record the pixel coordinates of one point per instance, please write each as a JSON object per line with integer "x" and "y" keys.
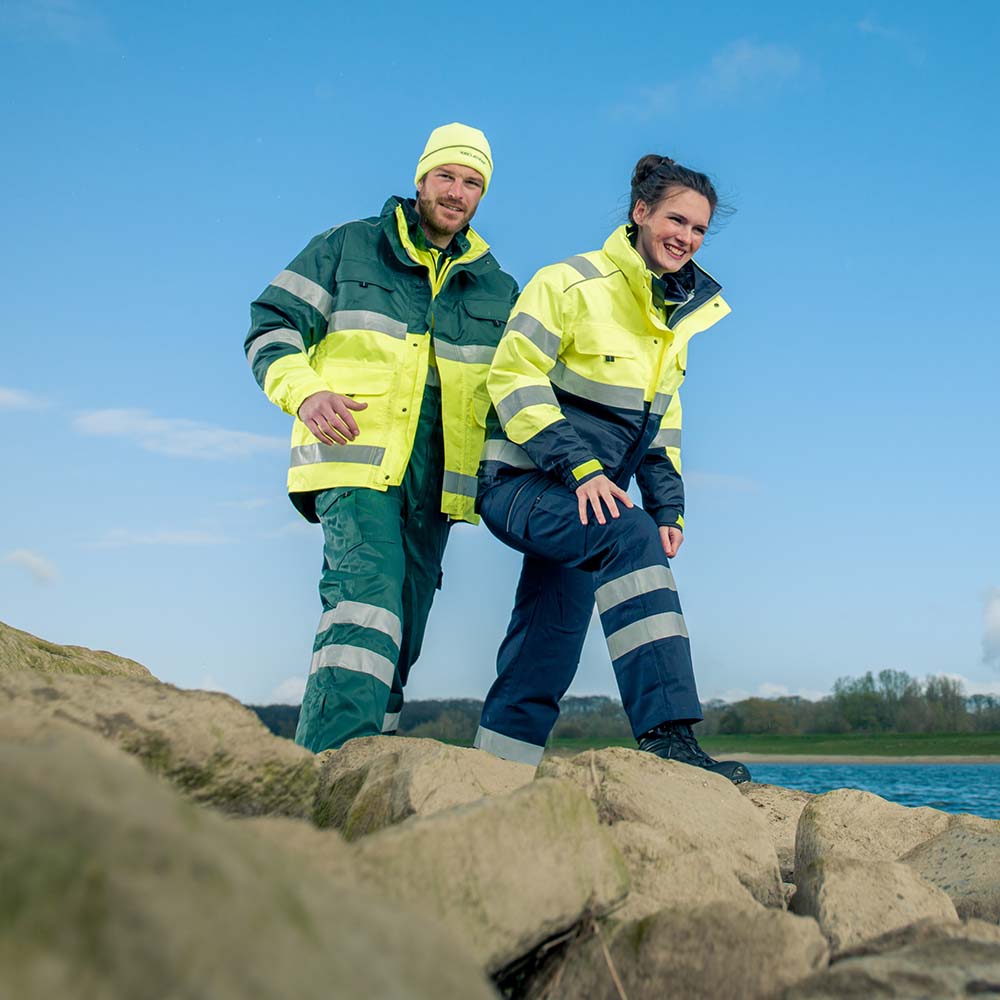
{"x": 457, "y": 143}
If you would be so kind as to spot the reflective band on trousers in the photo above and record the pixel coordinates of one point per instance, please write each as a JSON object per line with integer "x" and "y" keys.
{"x": 356, "y": 658}
{"x": 366, "y": 615}
{"x": 303, "y": 288}
{"x": 507, "y": 747}
{"x": 457, "y": 482}
{"x": 469, "y": 354}
{"x": 641, "y": 581}
{"x": 390, "y": 722}
{"x": 502, "y": 450}
{"x": 520, "y": 399}
{"x": 545, "y": 340}
{"x": 583, "y": 267}
{"x": 646, "y": 630}
{"x": 313, "y": 454}
{"x": 600, "y": 392}
{"x": 364, "y": 319}
{"x": 282, "y": 335}
{"x": 669, "y": 437}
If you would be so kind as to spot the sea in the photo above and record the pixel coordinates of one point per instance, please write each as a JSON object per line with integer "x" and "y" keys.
{"x": 956, "y": 788}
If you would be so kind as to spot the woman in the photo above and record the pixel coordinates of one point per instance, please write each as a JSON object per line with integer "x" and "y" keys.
{"x": 584, "y": 385}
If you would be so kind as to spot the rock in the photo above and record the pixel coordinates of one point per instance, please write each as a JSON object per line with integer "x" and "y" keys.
{"x": 682, "y": 830}
{"x": 503, "y": 873}
{"x": 780, "y": 808}
{"x": 852, "y": 824}
{"x": 24, "y": 651}
{"x": 855, "y": 900}
{"x": 377, "y": 781}
{"x": 210, "y": 746}
{"x": 711, "y": 951}
{"x": 964, "y": 861}
{"x": 117, "y": 888}
{"x": 924, "y": 931}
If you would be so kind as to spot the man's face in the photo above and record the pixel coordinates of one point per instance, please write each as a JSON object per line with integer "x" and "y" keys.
{"x": 447, "y": 198}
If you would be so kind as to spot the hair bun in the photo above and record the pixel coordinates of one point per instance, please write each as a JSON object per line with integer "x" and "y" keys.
{"x": 647, "y": 165}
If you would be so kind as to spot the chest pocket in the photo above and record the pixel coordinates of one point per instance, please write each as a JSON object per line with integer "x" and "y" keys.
{"x": 361, "y": 287}
{"x": 481, "y": 321}
{"x": 604, "y": 340}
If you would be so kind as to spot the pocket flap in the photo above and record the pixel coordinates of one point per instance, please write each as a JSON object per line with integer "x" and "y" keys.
{"x": 366, "y": 273}
{"x": 358, "y": 380}
{"x": 497, "y": 310}
{"x": 606, "y": 339}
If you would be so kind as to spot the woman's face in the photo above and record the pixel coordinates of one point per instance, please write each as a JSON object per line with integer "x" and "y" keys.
{"x": 671, "y": 232}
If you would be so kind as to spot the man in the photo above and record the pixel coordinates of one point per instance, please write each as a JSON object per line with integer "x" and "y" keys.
{"x": 378, "y": 338}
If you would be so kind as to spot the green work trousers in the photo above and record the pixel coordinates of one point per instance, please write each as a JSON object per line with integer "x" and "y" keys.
{"x": 381, "y": 567}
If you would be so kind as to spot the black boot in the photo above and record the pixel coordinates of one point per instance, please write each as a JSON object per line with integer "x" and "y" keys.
{"x": 675, "y": 741}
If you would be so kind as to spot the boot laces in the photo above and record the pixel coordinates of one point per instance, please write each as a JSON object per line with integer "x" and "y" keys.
{"x": 685, "y": 736}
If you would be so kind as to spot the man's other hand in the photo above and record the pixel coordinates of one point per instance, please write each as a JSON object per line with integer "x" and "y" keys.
{"x": 328, "y": 416}
{"x": 672, "y": 539}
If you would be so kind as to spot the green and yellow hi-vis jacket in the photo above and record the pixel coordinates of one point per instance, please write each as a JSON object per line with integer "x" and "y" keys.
{"x": 586, "y": 378}
{"x": 369, "y": 311}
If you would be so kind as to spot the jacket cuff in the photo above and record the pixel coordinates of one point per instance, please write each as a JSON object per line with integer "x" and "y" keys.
{"x": 577, "y": 476}
{"x": 668, "y": 518}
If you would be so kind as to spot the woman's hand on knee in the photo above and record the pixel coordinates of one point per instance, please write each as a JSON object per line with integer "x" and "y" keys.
{"x": 598, "y": 493}
{"x": 672, "y": 539}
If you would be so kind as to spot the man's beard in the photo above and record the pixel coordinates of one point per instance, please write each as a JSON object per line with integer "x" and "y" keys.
{"x": 425, "y": 207}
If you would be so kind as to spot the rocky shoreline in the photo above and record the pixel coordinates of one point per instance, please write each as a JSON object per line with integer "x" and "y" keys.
{"x": 162, "y": 843}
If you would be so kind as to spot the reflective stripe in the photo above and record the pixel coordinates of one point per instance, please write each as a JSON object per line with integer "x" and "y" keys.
{"x": 586, "y": 469}
{"x": 663, "y": 626}
{"x": 457, "y": 482}
{"x": 303, "y": 288}
{"x": 610, "y": 395}
{"x": 469, "y": 354}
{"x": 497, "y": 450}
{"x": 391, "y": 722}
{"x": 583, "y": 266}
{"x": 642, "y": 581}
{"x": 660, "y": 403}
{"x": 365, "y": 615}
{"x": 521, "y": 399}
{"x": 433, "y": 378}
{"x": 507, "y": 747}
{"x": 314, "y": 454}
{"x": 365, "y": 319}
{"x": 282, "y": 335}
{"x": 668, "y": 437}
{"x": 357, "y": 659}
{"x": 545, "y": 340}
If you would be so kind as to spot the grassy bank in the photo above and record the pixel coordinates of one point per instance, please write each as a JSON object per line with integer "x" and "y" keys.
{"x": 834, "y": 744}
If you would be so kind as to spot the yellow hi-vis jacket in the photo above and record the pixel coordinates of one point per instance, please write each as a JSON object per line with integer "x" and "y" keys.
{"x": 369, "y": 311}
{"x": 586, "y": 378}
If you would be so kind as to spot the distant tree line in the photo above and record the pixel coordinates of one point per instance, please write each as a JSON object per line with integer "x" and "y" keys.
{"x": 888, "y": 702}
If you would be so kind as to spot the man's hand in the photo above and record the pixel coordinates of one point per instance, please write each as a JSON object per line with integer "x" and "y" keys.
{"x": 599, "y": 489}
{"x": 672, "y": 539}
{"x": 328, "y": 416}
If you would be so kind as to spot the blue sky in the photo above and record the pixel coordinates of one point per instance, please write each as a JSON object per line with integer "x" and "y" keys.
{"x": 162, "y": 162}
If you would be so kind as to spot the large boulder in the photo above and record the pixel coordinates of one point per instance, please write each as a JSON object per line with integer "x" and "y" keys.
{"x": 856, "y": 900}
{"x": 210, "y": 746}
{"x": 780, "y": 809}
{"x": 924, "y": 932}
{"x": 964, "y": 861}
{"x": 24, "y": 651}
{"x": 699, "y": 952}
{"x": 686, "y": 834}
{"x": 504, "y": 873}
{"x": 377, "y": 781}
{"x": 117, "y": 888}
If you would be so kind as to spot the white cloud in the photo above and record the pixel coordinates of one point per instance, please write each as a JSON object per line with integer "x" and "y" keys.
{"x": 18, "y": 399}
{"x": 176, "y": 437}
{"x": 991, "y": 628}
{"x": 895, "y": 36}
{"x": 721, "y": 481}
{"x": 209, "y": 683}
{"x": 299, "y": 527}
{"x": 122, "y": 537}
{"x": 289, "y": 691}
{"x": 41, "y": 570}
{"x": 768, "y": 689}
{"x": 57, "y": 20}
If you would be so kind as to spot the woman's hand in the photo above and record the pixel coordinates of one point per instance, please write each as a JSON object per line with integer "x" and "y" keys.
{"x": 672, "y": 539}
{"x": 597, "y": 490}
{"x": 328, "y": 417}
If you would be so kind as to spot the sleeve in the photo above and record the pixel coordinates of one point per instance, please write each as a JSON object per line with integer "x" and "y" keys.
{"x": 659, "y": 473}
{"x": 288, "y": 318}
{"x": 520, "y": 388}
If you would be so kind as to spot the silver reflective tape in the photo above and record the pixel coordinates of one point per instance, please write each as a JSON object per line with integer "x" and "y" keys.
{"x": 583, "y": 266}
{"x": 646, "y": 630}
{"x": 520, "y": 399}
{"x": 303, "y": 288}
{"x": 660, "y": 403}
{"x": 365, "y": 319}
{"x": 456, "y": 482}
{"x": 502, "y": 450}
{"x": 545, "y": 340}
{"x": 507, "y": 747}
{"x": 668, "y": 437}
{"x": 390, "y": 723}
{"x": 621, "y": 397}
{"x": 642, "y": 581}
{"x": 433, "y": 378}
{"x": 282, "y": 335}
{"x": 469, "y": 354}
{"x": 365, "y": 615}
{"x": 313, "y": 454}
{"x": 354, "y": 658}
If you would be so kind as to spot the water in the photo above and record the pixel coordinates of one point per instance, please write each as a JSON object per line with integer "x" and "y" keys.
{"x": 956, "y": 788}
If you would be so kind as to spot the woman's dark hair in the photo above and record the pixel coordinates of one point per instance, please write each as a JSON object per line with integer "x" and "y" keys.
{"x": 655, "y": 175}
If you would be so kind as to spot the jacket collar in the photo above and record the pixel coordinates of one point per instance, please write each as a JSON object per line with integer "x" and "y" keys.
{"x": 401, "y": 224}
